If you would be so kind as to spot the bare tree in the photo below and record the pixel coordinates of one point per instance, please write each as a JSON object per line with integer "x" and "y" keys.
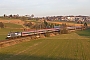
{"x": 4, "y": 15}
{"x": 32, "y": 15}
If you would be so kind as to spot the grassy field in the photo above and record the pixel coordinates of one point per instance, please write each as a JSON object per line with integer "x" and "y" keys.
{"x": 84, "y": 33}
{"x": 11, "y": 25}
{"x": 6, "y": 18}
{"x": 31, "y": 20}
{"x": 62, "y": 47}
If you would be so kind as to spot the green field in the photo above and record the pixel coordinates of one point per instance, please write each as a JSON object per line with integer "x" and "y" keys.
{"x": 84, "y": 33}
{"x": 6, "y": 18}
{"x": 11, "y": 25}
{"x": 71, "y": 46}
{"x": 30, "y": 20}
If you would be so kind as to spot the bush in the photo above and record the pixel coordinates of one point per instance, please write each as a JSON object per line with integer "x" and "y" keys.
{"x": 64, "y": 31}
{"x": 47, "y": 34}
{"x": 28, "y": 24}
{"x": 85, "y": 24}
{"x": 1, "y": 25}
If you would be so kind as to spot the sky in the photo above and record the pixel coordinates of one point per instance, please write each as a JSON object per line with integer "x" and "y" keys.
{"x": 45, "y": 7}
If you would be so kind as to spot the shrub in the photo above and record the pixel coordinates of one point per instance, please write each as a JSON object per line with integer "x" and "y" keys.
{"x": 1, "y": 25}
{"x": 47, "y": 34}
{"x": 64, "y": 31}
{"x": 28, "y": 24}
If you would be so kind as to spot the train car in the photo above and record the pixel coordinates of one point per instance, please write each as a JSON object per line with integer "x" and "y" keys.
{"x": 71, "y": 27}
{"x": 78, "y": 27}
{"x": 49, "y": 30}
{"x": 33, "y": 32}
{"x": 25, "y": 34}
{"x": 13, "y": 35}
{"x": 41, "y": 31}
{"x": 28, "y": 33}
{"x": 56, "y": 29}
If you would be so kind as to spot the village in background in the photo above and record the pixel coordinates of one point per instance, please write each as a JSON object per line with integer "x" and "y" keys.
{"x": 79, "y": 18}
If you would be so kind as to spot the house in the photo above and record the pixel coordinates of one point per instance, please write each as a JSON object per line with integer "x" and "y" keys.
{"x": 70, "y": 18}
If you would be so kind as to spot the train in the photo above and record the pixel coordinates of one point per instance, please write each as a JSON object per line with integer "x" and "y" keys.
{"x": 30, "y": 33}
{"x": 37, "y": 32}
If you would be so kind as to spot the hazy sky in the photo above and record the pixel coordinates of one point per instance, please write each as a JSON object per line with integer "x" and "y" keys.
{"x": 45, "y": 7}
